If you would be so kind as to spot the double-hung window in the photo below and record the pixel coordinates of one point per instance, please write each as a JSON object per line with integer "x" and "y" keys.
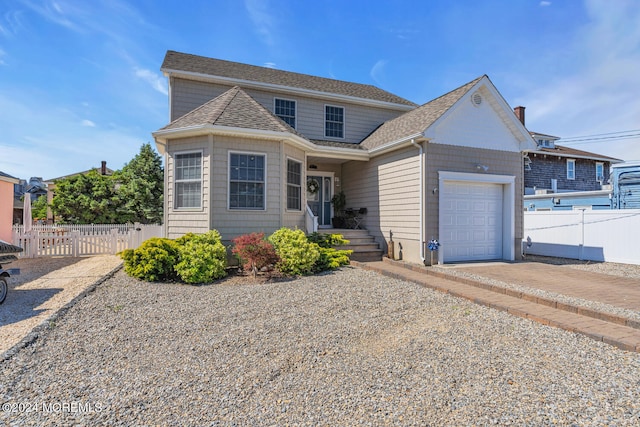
{"x": 599, "y": 171}
{"x": 294, "y": 185}
{"x": 188, "y": 180}
{"x": 286, "y": 110}
{"x": 246, "y": 181}
{"x": 571, "y": 169}
{"x": 333, "y": 121}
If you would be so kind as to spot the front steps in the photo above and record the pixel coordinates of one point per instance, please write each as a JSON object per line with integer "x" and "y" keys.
{"x": 363, "y": 245}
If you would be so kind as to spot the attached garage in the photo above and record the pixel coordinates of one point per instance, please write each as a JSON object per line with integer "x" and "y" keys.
{"x": 476, "y": 217}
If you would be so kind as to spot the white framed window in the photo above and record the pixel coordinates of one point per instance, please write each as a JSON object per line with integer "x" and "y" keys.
{"x": 333, "y": 121}
{"x": 188, "y": 180}
{"x": 286, "y": 110}
{"x": 294, "y": 185}
{"x": 599, "y": 171}
{"x": 571, "y": 169}
{"x": 247, "y": 178}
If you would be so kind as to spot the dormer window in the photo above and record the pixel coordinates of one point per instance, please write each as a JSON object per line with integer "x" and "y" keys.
{"x": 546, "y": 143}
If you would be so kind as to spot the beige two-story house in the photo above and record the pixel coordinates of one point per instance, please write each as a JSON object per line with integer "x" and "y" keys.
{"x": 253, "y": 149}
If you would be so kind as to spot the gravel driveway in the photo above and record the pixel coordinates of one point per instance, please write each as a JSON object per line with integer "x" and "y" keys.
{"x": 346, "y": 348}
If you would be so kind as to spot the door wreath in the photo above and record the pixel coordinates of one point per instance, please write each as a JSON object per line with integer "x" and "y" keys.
{"x": 312, "y": 186}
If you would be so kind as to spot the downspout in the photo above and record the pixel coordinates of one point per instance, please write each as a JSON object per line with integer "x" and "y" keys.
{"x": 421, "y": 202}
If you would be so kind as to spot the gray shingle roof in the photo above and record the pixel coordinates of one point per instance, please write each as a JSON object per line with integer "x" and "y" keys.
{"x": 7, "y": 175}
{"x": 233, "y": 108}
{"x": 562, "y": 151}
{"x": 177, "y": 61}
{"x": 417, "y": 120}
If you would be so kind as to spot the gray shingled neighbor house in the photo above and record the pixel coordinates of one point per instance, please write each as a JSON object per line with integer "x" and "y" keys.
{"x": 254, "y": 149}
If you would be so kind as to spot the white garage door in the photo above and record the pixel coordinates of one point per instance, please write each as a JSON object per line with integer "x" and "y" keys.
{"x": 471, "y": 221}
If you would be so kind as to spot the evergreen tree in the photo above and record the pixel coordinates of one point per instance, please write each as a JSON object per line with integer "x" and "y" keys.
{"x": 39, "y": 208}
{"x": 141, "y": 187}
{"x": 86, "y": 199}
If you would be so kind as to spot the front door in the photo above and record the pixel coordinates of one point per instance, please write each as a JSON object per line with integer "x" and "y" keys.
{"x": 319, "y": 193}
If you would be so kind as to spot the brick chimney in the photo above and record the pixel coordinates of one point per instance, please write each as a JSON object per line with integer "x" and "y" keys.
{"x": 103, "y": 168}
{"x": 519, "y": 114}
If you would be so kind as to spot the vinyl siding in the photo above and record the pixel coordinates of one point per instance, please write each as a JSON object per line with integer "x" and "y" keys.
{"x": 388, "y": 186}
{"x": 182, "y": 221}
{"x": 234, "y": 222}
{"x": 442, "y": 157}
{"x": 215, "y": 213}
{"x": 293, "y": 219}
{"x": 360, "y": 121}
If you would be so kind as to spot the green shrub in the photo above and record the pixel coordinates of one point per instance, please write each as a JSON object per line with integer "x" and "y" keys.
{"x": 203, "y": 258}
{"x": 297, "y": 255}
{"x": 254, "y": 252}
{"x": 153, "y": 261}
{"x": 327, "y": 240}
{"x": 330, "y": 258}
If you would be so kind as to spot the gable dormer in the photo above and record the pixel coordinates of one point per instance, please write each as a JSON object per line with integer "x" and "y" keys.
{"x": 544, "y": 141}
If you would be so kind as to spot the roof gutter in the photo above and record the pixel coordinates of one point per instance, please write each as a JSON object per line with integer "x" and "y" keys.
{"x": 162, "y": 136}
{"x": 395, "y": 144}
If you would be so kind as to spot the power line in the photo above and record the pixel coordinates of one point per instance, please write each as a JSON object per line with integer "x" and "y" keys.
{"x": 585, "y": 140}
{"x": 601, "y": 134}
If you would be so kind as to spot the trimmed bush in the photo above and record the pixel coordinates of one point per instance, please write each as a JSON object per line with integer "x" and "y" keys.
{"x": 153, "y": 261}
{"x": 203, "y": 258}
{"x": 297, "y": 255}
{"x": 330, "y": 258}
{"x": 254, "y": 252}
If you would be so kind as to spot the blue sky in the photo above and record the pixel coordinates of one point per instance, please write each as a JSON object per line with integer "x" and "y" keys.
{"x": 80, "y": 81}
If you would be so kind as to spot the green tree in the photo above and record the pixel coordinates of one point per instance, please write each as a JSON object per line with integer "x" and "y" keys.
{"x": 39, "y": 208}
{"x": 86, "y": 199}
{"x": 141, "y": 187}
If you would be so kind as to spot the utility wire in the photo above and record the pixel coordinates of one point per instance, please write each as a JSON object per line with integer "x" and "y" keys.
{"x": 585, "y": 139}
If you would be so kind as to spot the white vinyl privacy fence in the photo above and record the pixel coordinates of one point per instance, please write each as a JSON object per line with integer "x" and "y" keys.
{"x": 79, "y": 240}
{"x": 596, "y": 235}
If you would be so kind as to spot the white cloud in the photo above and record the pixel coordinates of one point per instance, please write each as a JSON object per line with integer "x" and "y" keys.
{"x": 156, "y": 82}
{"x": 58, "y": 146}
{"x": 270, "y": 65}
{"x": 545, "y": 3}
{"x": 263, "y": 20}
{"x": 598, "y": 95}
{"x": 88, "y": 123}
{"x": 59, "y": 13}
{"x": 377, "y": 71}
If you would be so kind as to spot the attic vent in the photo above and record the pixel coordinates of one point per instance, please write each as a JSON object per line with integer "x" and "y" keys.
{"x": 476, "y": 99}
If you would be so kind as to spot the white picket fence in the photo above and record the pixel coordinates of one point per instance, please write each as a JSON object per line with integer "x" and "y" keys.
{"x": 80, "y": 240}
{"x": 596, "y": 235}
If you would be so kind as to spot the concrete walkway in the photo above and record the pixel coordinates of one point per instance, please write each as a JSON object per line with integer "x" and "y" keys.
{"x": 618, "y": 330}
{"x": 45, "y": 288}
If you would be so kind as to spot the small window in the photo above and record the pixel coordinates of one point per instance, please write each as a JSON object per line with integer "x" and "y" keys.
{"x": 571, "y": 169}
{"x": 294, "y": 185}
{"x": 600, "y": 172}
{"x": 286, "y": 110}
{"x": 188, "y": 180}
{"x": 333, "y": 121}
{"x": 246, "y": 181}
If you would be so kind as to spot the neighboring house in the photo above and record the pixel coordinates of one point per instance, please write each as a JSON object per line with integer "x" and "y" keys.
{"x": 51, "y": 185}
{"x": 7, "y": 183}
{"x": 554, "y": 168}
{"x": 247, "y": 145}
{"x": 35, "y": 186}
